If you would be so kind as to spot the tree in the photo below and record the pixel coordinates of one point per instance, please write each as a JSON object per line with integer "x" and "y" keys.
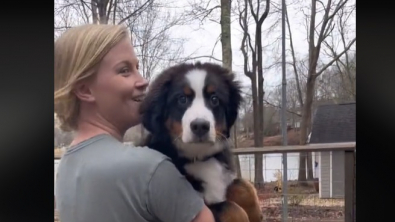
{"x": 344, "y": 68}
{"x": 227, "y": 60}
{"x": 98, "y": 11}
{"x": 306, "y": 71}
{"x": 256, "y": 73}
{"x": 317, "y": 33}
{"x": 247, "y": 113}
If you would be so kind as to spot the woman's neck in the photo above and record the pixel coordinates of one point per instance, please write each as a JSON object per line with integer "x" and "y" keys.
{"x": 88, "y": 129}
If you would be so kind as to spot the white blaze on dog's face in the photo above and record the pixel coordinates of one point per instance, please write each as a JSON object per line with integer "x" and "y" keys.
{"x": 198, "y": 121}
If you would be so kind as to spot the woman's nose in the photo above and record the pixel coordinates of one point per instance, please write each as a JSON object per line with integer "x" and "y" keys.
{"x": 142, "y": 83}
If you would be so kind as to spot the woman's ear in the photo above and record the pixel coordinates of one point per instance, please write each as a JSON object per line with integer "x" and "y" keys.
{"x": 83, "y": 92}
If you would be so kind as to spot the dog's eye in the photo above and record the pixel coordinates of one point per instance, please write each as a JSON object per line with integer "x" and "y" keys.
{"x": 182, "y": 100}
{"x": 214, "y": 100}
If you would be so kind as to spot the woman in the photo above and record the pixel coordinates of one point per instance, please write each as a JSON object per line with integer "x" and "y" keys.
{"x": 98, "y": 90}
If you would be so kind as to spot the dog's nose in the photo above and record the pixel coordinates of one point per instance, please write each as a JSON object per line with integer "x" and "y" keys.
{"x": 200, "y": 127}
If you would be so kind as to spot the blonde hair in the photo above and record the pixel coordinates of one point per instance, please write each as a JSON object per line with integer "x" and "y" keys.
{"x": 78, "y": 52}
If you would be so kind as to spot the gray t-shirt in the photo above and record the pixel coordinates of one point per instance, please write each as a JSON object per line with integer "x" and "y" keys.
{"x": 103, "y": 180}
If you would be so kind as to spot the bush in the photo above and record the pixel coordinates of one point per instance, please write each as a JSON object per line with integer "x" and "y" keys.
{"x": 295, "y": 193}
{"x": 295, "y": 196}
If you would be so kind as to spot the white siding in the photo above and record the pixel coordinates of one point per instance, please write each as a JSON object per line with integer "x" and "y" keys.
{"x": 331, "y": 178}
{"x": 56, "y": 163}
{"x": 316, "y": 157}
{"x": 325, "y": 174}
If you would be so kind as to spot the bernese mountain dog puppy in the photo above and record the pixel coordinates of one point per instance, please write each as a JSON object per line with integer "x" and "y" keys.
{"x": 188, "y": 112}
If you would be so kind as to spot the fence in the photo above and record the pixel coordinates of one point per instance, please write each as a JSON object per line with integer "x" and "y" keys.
{"x": 328, "y": 196}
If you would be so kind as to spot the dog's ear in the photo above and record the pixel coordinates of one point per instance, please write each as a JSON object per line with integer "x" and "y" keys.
{"x": 153, "y": 108}
{"x": 235, "y": 99}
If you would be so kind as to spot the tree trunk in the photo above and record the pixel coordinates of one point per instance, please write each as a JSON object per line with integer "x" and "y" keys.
{"x": 102, "y": 10}
{"x": 310, "y": 176}
{"x": 236, "y": 157}
{"x": 259, "y": 157}
{"x": 95, "y": 17}
{"x": 258, "y": 170}
{"x": 305, "y": 125}
{"x": 302, "y": 169}
{"x": 226, "y": 34}
{"x": 300, "y": 97}
{"x": 227, "y": 61}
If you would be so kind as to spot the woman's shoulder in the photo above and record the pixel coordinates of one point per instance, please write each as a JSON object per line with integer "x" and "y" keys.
{"x": 105, "y": 154}
{"x": 139, "y": 154}
{"x": 144, "y": 153}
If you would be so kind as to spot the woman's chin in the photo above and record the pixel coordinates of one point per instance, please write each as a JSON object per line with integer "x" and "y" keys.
{"x": 135, "y": 121}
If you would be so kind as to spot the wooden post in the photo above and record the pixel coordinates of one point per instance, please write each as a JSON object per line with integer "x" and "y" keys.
{"x": 349, "y": 186}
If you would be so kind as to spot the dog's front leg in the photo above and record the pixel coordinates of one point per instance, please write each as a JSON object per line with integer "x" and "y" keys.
{"x": 228, "y": 211}
{"x": 244, "y": 194}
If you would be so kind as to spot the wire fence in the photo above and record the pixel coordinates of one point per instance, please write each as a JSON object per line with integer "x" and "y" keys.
{"x": 323, "y": 196}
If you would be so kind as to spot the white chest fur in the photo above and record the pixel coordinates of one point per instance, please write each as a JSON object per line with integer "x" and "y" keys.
{"x": 216, "y": 179}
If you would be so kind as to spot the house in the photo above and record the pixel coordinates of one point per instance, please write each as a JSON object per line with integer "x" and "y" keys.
{"x": 333, "y": 123}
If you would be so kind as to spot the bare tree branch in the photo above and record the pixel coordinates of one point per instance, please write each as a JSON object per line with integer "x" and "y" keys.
{"x": 137, "y": 11}
{"x": 294, "y": 59}
{"x": 273, "y": 105}
{"x": 199, "y": 57}
{"x": 336, "y": 58}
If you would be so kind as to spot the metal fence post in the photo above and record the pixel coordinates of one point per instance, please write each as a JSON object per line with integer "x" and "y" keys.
{"x": 349, "y": 173}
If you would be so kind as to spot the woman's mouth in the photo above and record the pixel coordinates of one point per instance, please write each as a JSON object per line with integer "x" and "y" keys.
{"x": 138, "y": 98}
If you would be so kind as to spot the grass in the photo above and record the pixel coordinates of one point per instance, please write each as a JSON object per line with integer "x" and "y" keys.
{"x": 304, "y": 204}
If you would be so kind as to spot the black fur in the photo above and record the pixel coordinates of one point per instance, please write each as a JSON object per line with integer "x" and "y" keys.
{"x": 159, "y": 106}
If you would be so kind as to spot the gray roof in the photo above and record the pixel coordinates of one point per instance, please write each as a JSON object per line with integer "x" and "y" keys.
{"x": 334, "y": 123}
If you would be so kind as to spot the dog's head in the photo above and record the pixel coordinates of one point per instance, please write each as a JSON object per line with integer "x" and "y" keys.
{"x": 195, "y": 104}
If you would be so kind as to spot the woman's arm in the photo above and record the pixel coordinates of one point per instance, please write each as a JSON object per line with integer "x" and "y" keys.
{"x": 205, "y": 215}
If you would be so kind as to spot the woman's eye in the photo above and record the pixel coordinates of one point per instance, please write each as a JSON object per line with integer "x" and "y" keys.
{"x": 214, "y": 100}
{"x": 182, "y": 100}
{"x": 124, "y": 70}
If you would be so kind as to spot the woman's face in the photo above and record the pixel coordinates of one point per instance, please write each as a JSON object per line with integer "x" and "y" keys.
{"x": 118, "y": 88}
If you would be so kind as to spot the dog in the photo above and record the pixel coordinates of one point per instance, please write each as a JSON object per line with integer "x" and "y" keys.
{"x": 188, "y": 112}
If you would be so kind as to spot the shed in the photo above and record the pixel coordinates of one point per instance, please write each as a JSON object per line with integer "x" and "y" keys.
{"x": 334, "y": 123}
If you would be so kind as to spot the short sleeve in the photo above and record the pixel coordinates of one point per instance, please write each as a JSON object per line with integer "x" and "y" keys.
{"x": 171, "y": 198}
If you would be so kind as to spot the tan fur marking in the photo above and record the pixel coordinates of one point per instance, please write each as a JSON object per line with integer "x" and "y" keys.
{"x": 244, "y": 194}
{"x": 219, "y": 128}
{"x": 210, "y": 89}
{"x": 174, "y": 127}
{"x": 187, "y": 91}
